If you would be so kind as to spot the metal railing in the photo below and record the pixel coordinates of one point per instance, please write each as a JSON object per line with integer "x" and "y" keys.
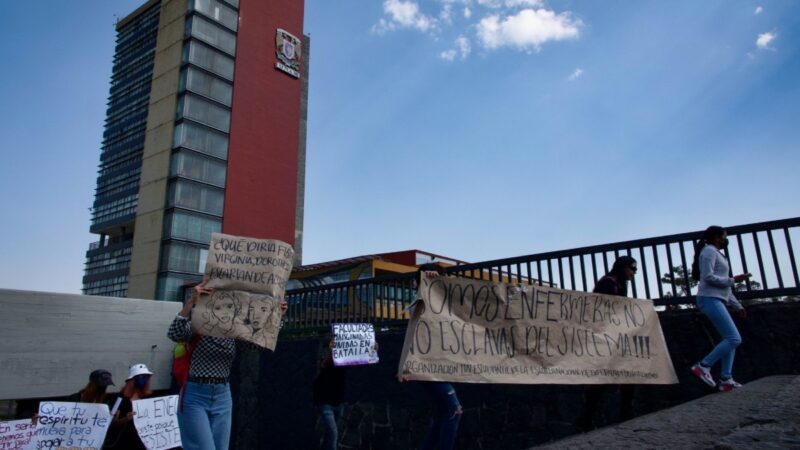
{"x": 764, "y": 249}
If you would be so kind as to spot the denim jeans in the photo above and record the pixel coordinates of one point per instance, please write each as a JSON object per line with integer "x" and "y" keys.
{"x": 716, "y": 311}
{"x": 204, "y": 416}
{"x": 447, "y": 415}
{"x": 328, "y": 415}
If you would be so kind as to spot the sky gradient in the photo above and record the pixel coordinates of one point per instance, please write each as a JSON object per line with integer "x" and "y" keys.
{"x": 473, "y": 129}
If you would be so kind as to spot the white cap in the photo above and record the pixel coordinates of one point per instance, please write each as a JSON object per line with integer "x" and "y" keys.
{"x": 138, "y": 369}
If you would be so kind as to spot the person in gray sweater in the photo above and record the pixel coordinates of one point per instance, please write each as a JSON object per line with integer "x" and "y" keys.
{"x": 714, "y": 295}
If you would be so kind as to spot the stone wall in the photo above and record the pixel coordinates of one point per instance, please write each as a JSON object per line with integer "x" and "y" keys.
{"x": 274, "y": 407}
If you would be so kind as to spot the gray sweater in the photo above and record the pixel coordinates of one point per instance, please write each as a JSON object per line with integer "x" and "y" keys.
{"x": 714, "y": 279}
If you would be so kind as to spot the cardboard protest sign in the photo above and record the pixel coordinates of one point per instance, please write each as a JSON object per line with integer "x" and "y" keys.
{"x": 254, "y": 265}
{"x": 242, "y": 315}
{"x": 71, "y": 425}
{"x": 354, "y": 344}
{"x": 483, "y": 332}
{"x": 17, "y": 435}
{"x": 249, "y": 278}
{"x": 156, "y": 422}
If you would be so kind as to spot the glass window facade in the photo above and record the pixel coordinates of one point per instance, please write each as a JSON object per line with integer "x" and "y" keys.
{"x": 197, "y": 197}
{"x": 211, "y": 60}
{"x": 201, "y": 139}
{"x": 200, "y": 144}
{"x": 212, "y": 34}
{"x": 218, "y": 11}
{"x": 191, "y": 227}
{"x": 185, "y": 258}
{"x": 190, "y": 165}
{"x": 116, "y": 195}
{"x": 203, "y": 111}
{"x": 206, "y": 85}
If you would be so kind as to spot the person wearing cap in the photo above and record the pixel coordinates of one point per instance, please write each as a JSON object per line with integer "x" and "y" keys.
{"x": 95, "y": 390}
{"x": 122, "y": 434}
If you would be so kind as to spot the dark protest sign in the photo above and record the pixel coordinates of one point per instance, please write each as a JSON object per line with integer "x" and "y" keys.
{"x": 156, "y": 422}
{"x": 249, "y": 277}
{"x": 17, "y": 435}
{"x": 354, "y": 344}
{"x": 69, "y": 425}
{"x": 483, "y": 332}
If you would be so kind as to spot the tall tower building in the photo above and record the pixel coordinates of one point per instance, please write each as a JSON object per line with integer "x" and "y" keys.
{"x": 205, "y": 132}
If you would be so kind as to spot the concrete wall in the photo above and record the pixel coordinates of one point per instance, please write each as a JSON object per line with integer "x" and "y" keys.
{"x": 274, "y": 411}
{"x": 49, "y": 343}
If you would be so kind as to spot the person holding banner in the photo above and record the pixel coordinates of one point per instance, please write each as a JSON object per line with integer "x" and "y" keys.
{"x": 329, "y": 388}
{"x": 122, "y": 434}
{"x": 205, "y": 407}
{"x": 714, "y": 294}
{"x": 447, "y": 409}
{"x": 614, "y": 282}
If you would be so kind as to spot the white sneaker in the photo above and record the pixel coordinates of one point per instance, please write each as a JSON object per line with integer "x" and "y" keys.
{"x": 704, "y": 373}
{"x": 728, "y": 385}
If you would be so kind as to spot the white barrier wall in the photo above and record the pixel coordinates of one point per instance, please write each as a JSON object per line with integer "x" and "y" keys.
{"x": 49, "y": 343}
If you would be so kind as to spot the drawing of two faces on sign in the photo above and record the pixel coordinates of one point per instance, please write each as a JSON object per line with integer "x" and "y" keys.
{"x": 242, "y": 315}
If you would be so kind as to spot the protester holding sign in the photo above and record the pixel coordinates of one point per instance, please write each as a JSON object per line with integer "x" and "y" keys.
{"x": 329, "y": 389}
{"x": 95, "y": 390}
{"x": 123, "y": 435}
{"x": 205, "y": 410}
{"x": 447, "y": 409}
{"x": 614, "y": 282}
{"x": 711, "y": 269}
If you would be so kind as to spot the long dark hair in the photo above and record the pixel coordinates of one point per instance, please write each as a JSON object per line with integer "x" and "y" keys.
{"x": 618, "y": 269}
{"x": 711, "y": 233}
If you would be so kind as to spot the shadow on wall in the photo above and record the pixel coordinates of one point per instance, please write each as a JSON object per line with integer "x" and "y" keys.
{"x": 274, "y": 409}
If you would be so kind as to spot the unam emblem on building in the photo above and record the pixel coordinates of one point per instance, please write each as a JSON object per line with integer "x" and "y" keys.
{"x": 288, "y": 50}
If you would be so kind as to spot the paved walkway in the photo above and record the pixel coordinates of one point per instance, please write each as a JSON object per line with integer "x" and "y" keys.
{"x": 764, "y": 414}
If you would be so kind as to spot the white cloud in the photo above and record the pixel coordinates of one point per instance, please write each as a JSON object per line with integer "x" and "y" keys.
{"x": 403, "y": 14}
{"x": 575, "y": 75}
{"x": 758, "y": 10}
{"x": 446, "y": 15}
{"x": 764, "y": 39}
{"x": 527, "y": 3}
{"x": 528, "y": 29}
{"x": 448, "y": 55}
{"x": 494, "y": 4}
{"x": 467, "y": 12}
{"x": 462, "y": 49}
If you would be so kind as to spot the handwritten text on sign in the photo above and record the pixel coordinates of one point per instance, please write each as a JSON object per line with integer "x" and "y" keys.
{"x": 16, "y": 435}
{"x": 482, "y": 332}
{"x": 156, "y": 421}
{"x": 248, "y": 264}
{"x": 71, "y": 425}
{"x": 354, "y": 344}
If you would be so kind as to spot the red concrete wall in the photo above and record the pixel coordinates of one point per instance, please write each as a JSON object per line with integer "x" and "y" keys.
{"x": 260, "y": 195}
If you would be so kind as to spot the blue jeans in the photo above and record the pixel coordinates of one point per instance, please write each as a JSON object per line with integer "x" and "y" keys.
{"x": 447, "y": 415}
{"x": 716, "y": 311}
{"x": 328, "y": 415}
{"x": 205, "y": 416}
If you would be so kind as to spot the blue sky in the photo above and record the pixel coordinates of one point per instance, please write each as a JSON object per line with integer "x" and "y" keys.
{"x": 475, "y": 129}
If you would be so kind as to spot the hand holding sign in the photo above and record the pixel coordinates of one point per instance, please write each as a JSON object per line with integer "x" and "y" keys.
{"x": 242, "y": 296}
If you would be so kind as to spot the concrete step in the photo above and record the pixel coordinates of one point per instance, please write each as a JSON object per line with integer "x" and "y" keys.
{"x": 763, "y": 414}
